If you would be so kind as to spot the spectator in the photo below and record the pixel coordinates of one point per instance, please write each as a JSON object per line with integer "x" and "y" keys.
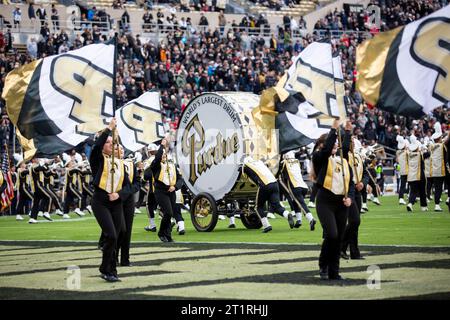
{"x": 54, "y": 16}
{"x": 41, "y": 14}
{"x": 32, "y": 48}
{"x": 17, "y": 17}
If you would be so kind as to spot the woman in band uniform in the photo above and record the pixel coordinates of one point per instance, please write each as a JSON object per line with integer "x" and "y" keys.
{"x": 335, "y": 190}
{"x": 106, "y": 203}
{"x": 166, "y": 181}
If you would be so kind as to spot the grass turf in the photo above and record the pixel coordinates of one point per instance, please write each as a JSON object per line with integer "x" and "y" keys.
{"x": 388, "y": 224}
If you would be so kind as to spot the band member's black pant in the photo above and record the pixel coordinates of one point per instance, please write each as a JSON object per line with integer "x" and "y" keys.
{"x": 124, "y": 240}
{"x": 71, "y": 196}
{"x": 402, "y": 190}
{"x": 40, "y": 196}
{"x": 271, "y": 193}
{"x": 151, "y": 204}
{"x": 109, "y": 215}
{"x": 54, "y": 200}
{"x": 142, "y": 194}
{"x": 438, "y": 183}
{"x": 13, "y": 206}
{"x": 333, "y": 216}
{"x": 166, "y": 201}
{"x": 418, "y": 188}
{"x": 299, "y": 194}
{"x": 24, "y": 197}
{"x": 87, "y": 192}
{"x": 429, "y": 189}
{"x": 314, "y": 189}
{"x": 351, "y": 231}
{"x": 177, "y": 213}
{"x": 374, "y": 188}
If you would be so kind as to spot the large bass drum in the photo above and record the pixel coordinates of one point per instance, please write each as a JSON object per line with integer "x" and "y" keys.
{"x": 215, "y": 132}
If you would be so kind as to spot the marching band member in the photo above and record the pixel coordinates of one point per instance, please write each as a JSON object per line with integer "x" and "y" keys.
{"x": 86, "y": 181}
{"x": 50, "y": 175}
{"x": 179, "y": 201}
{"x": 268, "y": 190}
{"x": 437, "y": 165}
{"x": 15, "y": 181}
{"x": 335, "y": 191}
{"x": 292, "y": 178}
{"x": 360, "y": 180}
{"x": 372, "y": 171}
{"x": 24, "y": 189}
{"x": 166, "y": 181}
{"x": 416, "y": 175}
{"x": 129, "y": 205}
{"x": 148, "y": 177}
{"x": 402, "y": 159}
{"x": 427, "y": 144}
{"x": 72, "y": 188}
{"x": 40, "y": 194}
{"x": 109, "y": 179}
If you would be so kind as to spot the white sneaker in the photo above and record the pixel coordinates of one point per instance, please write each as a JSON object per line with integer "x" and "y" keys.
{"x": 89, "y": 208}
{"x": 364, "y": 207}
{"x": 47, "y": 216}
{"x": 19, "y": 217}
{"x": 136, "y": 210}
{"x": 428, "y": 200}
{"x": 401, "y": 201}
{"x": 376, "y": 201}
{"x": 59, "y": 212}
{"x": 32, "y": 220}
{"x": 409, "y": 207}
{"x": 222, "y": 217}
{"x": 237, "y": 216}
{"x": 270, "y": 215}
{"x": 424, "y": 208}
{"x": 40, "y": 214}
{"x": 66, "y": 216}
{"x": 437, "y": 208}
{"x": 79, "y": 212}
{"x": 311, "y": 205}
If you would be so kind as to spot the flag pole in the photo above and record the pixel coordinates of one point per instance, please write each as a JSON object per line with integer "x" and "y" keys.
{"x": 114, "y": 111}
{"x": 341, "y": 152}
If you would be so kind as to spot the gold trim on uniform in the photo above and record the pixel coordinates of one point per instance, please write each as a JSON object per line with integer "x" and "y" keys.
{"x": 130, "y": 169}
{"x": 294, "y": 171}
{"x": 261, "y": 170}
{"x": 168, "y": 174}
{"x": 333, "y": 180}
{"x": 358, "y": 169}
{"x": 105, "y": 180}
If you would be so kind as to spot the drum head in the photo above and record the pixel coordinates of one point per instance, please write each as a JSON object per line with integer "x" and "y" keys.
{"x": 210, "y": 145}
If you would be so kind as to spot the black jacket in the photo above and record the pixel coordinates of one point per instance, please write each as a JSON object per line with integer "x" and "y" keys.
{"x": 156, "y": 170}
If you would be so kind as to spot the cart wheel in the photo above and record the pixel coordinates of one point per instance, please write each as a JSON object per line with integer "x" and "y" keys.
{"x": 251, "y": 220}
{"x": 204, "y": 212}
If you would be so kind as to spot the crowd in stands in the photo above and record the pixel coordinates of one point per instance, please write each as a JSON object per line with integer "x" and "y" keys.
{"x": 186, "y": 64}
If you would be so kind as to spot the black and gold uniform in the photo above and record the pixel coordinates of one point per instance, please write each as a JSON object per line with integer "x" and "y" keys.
{"x": 334, "y": 181}
{"x": 72, "y": 188}
{"x": 437, "y": 169}
{"x": 41, "y": 196}
{"x": 127, "y": 196}
{"x": 86, "y": 181}
{"x": 151, "y": 201}
{"x": 416, "y": 176}
{"x": 268, "y": 191}
{"x": 402, "y": 159}
{"x": 15, "y": 181}
{"x": 3, "y": 183}
{"x": 295, "y": 188}
{"x": 24, "y": 190}
{"x": 360, "y": 180}
{"x": 165, "y": 175}
{"x": 50, "y": 176}
{"x": 109, "y": 214}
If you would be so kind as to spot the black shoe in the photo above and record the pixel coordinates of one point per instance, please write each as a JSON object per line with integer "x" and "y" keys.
{"x": 182, "y": 232}
{"x": 291, "y": 221}
{"x": 148, "y": 228}
{"x": 269, "y": 228}
{"x": 357, "y": 257}
{"x": 298, "y": 224}
{"x": 323, "y": 273}
{"x": 126, "y": 264}
{"x": 344, "y": 255}
{"x": 312, "y": 225}
{"x": 110, "y": 277}
{"x": 169, "y": 239}
{"x": 232, "y": 226}
{"x": 336, "y": 278}
{"x": 163, "y": 238}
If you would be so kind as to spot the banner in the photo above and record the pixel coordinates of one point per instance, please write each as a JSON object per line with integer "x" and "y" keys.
{"x": 406, "y": 70}
{"x": 139, "y": 121}
{"x": 59, "y": 101}
{"x": 307, "y": 98}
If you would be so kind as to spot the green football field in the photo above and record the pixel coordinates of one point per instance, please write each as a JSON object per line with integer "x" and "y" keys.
{"x": 411, "y": 251}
